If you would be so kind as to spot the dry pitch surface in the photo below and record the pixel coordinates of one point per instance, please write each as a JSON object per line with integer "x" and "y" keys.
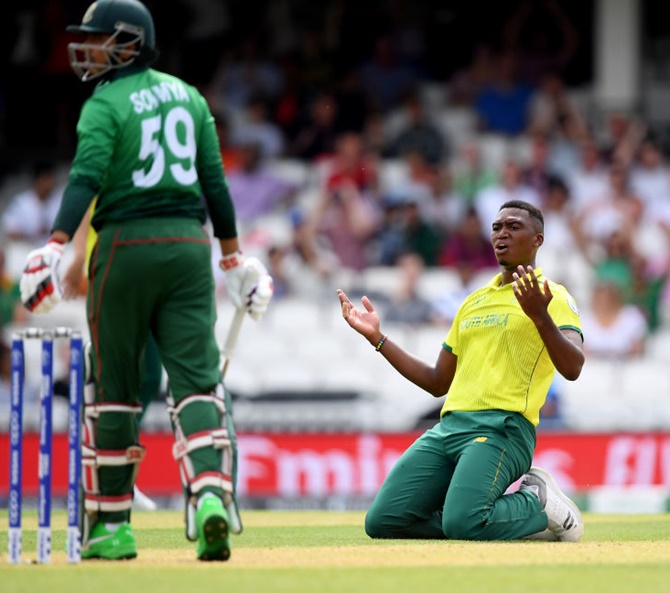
{"x": 370, "y": 553}
{"x": 285, "y": 550}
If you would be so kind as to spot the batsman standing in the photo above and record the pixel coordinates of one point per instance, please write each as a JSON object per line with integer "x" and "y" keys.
{"x": 495, "y": 366}
{"x": 148, "y": 149}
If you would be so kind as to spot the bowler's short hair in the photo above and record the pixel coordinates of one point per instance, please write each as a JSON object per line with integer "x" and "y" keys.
{"x": 533, "y": 211}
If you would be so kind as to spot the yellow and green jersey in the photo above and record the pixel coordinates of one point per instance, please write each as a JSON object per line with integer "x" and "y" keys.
{"x": 503, "y": 363}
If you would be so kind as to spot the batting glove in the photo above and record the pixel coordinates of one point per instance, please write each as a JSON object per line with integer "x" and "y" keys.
{"x": 40, "y": 290}
{"x": 248, "y": 283}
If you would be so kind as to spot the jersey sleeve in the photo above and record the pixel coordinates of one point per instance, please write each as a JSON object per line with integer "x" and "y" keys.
{"x": 96, "y": 139}
{"x": 563, "y": 310}
{"x": 213, "y": 181}
{"x": 451, "y": 341}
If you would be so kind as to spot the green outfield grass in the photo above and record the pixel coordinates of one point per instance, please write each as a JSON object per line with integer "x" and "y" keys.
{"x": 329, "y": 552}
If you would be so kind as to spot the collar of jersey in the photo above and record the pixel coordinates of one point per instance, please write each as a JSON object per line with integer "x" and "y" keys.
{"x": 121, "y": 73}
{"x": 495, "y": 283}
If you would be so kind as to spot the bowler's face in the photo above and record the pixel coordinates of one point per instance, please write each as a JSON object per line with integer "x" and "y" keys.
{"x": 515, "y": 238}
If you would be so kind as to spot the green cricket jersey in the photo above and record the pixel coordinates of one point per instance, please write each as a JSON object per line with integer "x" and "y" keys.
{"x": 147, "y": 147}
{"x": 502, "y": 361}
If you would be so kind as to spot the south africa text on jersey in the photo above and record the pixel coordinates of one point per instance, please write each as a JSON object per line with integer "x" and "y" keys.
{"x": 493, "y": 319}
{"x": 150, "y": 98}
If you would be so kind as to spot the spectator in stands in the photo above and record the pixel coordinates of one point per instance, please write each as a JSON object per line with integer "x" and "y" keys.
{"x": 468, "y": 248}
{"x": 286, "y": 109}
{"x": 30, "y": 213}
{"x": 375, "y": 133}
{"x": 559, "y": 223}
{"x": 346, "y": 215}
{"x": 536, "y": 172}
{"x": 408, "y": 225}
{"x": 650, "y": 280}
{"x": 446, "y": 306}
{"x": 417, "y": 133}
{"x": 317, "y": 68}
{"x": 406, "y": 305}
{"x": 471, "y": 172}
{"x": 650, "y": 176}
{"x": 614, "y": 329}
{"x": 255, "y": 190}
{"x": 304, "y": 261}
{"x": 244, "y": 73}
{"x": 352, "y": 105}
{"x": 31, "y": 389}
{"x": 230, "y": 153}
{"x": 621, "y": 134}
{"x": 551, "y": 104}
{"x": 257, "y": 127}
{"x": 565, "y": 143}
{"x": 316, "y": 136}
{"x": 502, "y": 107}
{"x": 444, "y": 206}
{"x": 466, "y": 83}
{"x": 615, "y": 262}
{"x": 617, "y": 210}
{"x": 351, "y": 162}
{"x": 277, "y": 267}
{"x": 641, "y": 281}
{"x": 588, "y": 180}
{"x": 418, "y": 177}
{"x": 384, "y": 77}
{"x": 11, "y": 307}
{"x": 510, "y": 187}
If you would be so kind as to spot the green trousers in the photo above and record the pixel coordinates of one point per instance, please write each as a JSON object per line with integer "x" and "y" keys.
{"x": 451, "y": 482}
{"x": 151, "y": 379}
{"x": 152, "y": 276}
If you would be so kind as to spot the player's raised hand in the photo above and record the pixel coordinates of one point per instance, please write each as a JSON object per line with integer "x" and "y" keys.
{"x": 40, "y": 289}
{"x": 533, "y": 296}
{"x": 365, "y": 322}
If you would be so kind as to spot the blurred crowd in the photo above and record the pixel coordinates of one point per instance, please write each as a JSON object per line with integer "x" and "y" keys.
{"x": 351, "y": 142}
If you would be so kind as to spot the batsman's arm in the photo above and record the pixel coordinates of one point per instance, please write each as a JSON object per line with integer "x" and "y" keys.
{"x": 229, "y": 246}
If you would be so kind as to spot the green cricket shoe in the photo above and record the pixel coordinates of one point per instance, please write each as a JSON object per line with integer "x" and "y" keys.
{"x": 110, "y": 545}
{"x": 212, "y": 522}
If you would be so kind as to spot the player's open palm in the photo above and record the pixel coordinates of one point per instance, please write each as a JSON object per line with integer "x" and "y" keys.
{"x": 533, "y": 296}
{"x": 365, "y": 322}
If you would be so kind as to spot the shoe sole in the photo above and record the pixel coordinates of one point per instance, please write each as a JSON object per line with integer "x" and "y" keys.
{"x": 548, "y": 478}
{"x": 129, "y": 555}
{"x": 544, "y": 536}
{"x": 215, "y": 534}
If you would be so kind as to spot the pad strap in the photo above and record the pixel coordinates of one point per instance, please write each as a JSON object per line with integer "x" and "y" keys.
{"x": 216, "y": 438}
{"x": 94, "y": 410}
{"x": 215, "y": 479}
{"x": 96, "y": 457}
{"x": 94, "y": 502}
{"x": 175, "y": 411}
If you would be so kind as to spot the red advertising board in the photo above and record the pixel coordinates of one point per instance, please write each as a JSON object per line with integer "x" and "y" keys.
{"x": 354, "y": 464}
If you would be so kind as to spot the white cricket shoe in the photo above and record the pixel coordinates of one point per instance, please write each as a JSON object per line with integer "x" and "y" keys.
{"x": 565, "y": 520}
{"x": 545, "y": 536}
{"x": 141, "y": 502}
